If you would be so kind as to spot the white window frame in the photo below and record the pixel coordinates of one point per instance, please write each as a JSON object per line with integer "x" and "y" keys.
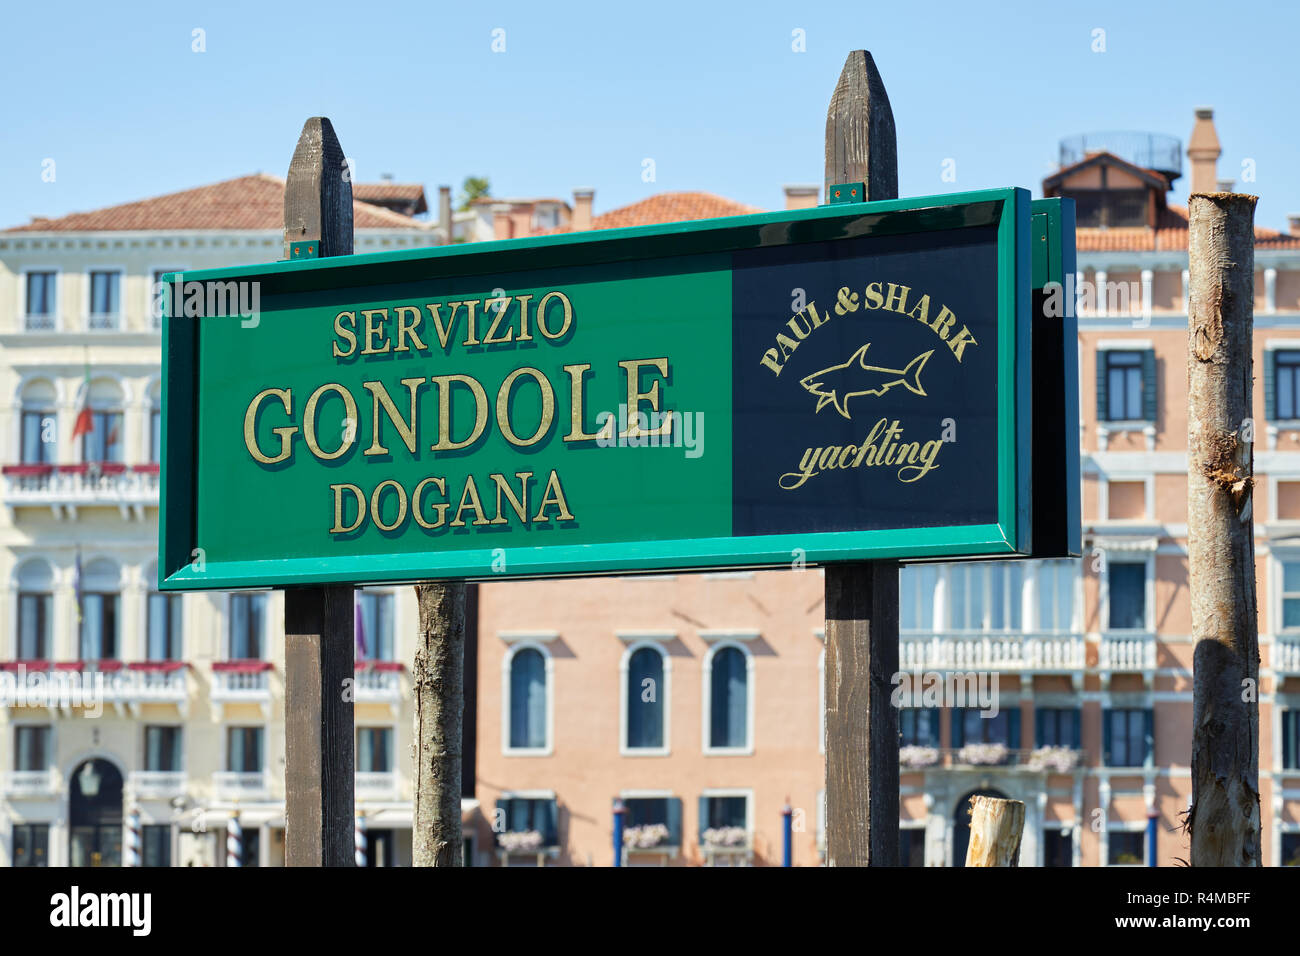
{"x": 122, "y": 309}
{"x": 148, "y": 294}
{"x": 14, "y": 588}
{"x": 1125, "y": 826}
{"x": 180, "y": 725}
{"x": 229, "y": 725}
{"x": 379, "y": 725}
{"x": 535, "y": 641}
{"x": 719, "y": 641}
{"x": 748, "y": 794}
{"x": 645, "y": 641}
{"x": 21, "y": 311}
{"x": 1281, "y": 556}
{"x": 1144, "y": 557}
{"x": 228, "y": 621}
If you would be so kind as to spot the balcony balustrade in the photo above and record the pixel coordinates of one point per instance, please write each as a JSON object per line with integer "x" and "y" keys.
{"x": 65, "y": 488}
{"x": 241, "y": 785}
{"x": 31, "y": 783}
{"x": 986, "y": 651}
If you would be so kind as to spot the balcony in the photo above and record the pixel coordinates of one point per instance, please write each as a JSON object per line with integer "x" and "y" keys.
{"x": 65, "y": 488}
{"x": 379, "y": 682}
{"x": 157, "y": 784}
{"x": 241, "y": 682}
{"x": 31, "y": 783}
{"x": 39, "y": 322}
{"x": 1131, "y": 651}
{"x": 1007, "y": 652}
{"x": 376, "y": 784}
{"x": 68, "y": 684}
{"x": 1286, "y": 655}
{"x": 984, "y": 757}
{"x": 241, "y": 785}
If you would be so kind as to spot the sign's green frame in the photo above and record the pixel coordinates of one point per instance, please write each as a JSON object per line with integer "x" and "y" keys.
{"x": 184, "y": 567}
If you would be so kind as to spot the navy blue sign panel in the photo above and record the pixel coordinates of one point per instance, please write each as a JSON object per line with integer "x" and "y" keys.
{"x": 869, "y": 378}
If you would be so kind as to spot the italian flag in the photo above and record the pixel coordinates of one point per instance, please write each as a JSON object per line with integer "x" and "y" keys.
{"x": 85, "y": 422}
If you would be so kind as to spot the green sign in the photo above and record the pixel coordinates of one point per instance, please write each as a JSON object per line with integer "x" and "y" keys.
{"x": 843, "y": 383}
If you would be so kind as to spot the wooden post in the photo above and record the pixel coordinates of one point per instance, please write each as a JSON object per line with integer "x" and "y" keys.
{"x": 1225, "y": 819}
{"x": 862, "y": 598}
{"x": 439, "y": 681}
{"x": 319, "y": 622}
{"x": 995, "y": 830}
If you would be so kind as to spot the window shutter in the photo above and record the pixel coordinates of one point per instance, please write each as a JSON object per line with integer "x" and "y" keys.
{"x": 1270, "y": 385}
{"x": 958, "y": 730}
{"x": 1013, "y": 729}
{"x": 674, "y": 821}
{"x": 1040, "y": 723}
{"x": 1078, "y": 728}
{"x": 549, "y": 823}
{"x": 1103, "y": 393}
{"x": 1149, "y": 393}
{"x": 932, "y": 726}
{"x": 1148, "y": 730}
{"x": 1105, "y": 738}
{"x": 703, "y": 823}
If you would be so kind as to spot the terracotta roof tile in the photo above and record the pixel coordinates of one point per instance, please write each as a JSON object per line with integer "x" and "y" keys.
{"x": 672, "y": 207}
{"x": 246, "y": 203}
{"x": 1169, "y": 234}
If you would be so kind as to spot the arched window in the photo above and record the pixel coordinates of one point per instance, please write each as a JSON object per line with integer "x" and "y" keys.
{"x": 35, "y": 610}
{"x": 528, "y": 700}
{"x": 98, "y": 585}
{"x": 729, "y": 699}
{"x": 99, "y": 422}
{"x": 39, "y": 433}
{"x": 645, "y": 699}
{"x": 164, "y": 621}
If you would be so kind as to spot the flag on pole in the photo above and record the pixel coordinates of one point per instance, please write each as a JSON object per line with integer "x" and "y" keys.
{"x": 85, "y": 421}
{"x": 360, "y": 632}
{"x": 76, "y": 592}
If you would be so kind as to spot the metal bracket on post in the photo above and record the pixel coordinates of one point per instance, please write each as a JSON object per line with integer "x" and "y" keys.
{"x": 842, "y": 193}
{"x": 307, "y": 249}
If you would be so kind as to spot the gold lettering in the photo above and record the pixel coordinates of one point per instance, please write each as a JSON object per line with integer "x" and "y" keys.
{"x": 554, "y": 495}
{"x": 503, "y": 407}
{"x": 285, "y": 432}
{"x": 524, "y": 334}
{"x": 635, "y": 396}
{"x": 959, "y": 342}
{"x": 577, "y": 405}
{"x": 373, "y": 329}
{"x": 444, "y": 383}
{"x": 518, "y": 505}
{"x": 338, "y": 508}
{"x": 541, "y": 315}
{"x": 874, "y": 298}
{"x": 343, "y": 332}
{"x": 469, "y": 499}
{"x": 894, "y": 302}
{"x": 405, "y": 328}
{"x": 380, "y": 397}
{"x": 375, "y": 502}
{"x": 309, "y": 421}
{"x": 439, "y": 507}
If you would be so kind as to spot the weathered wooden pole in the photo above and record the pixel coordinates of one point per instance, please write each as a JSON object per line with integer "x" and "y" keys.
{"x": 319, "y": 622}
{"x": 995, "y": 830}
{"x": 861, "y": 598}
{"x": 1224, "y": 819}
{"x": 439, "y": 680}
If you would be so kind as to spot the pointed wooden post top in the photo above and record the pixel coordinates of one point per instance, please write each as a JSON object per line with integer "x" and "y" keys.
{"x": 318, "y": 191}
{"x": 861, "y": 144}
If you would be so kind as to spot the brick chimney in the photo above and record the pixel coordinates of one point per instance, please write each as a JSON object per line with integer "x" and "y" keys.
{"x": 802, "y": 197}
{"x": 444, "y": 212}
{"x": 1293, "y": 223}
{"x": 502, "y": 227}
{"x": 1204, "y": 152}
{"x": 583, "y": 197}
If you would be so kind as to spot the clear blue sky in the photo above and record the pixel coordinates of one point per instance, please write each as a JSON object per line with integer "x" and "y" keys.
{"x": 585, "y": 92}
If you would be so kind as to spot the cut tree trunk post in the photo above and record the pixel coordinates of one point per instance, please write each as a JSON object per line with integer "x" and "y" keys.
{"x": 995, "y": 830}
{"x": 1225, "y": 818}
{"x": 861, "y": 598}
{"x": 439, "y": 684}
{"x": 319, "y": 622}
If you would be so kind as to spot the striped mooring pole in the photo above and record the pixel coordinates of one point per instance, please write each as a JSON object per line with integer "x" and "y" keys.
{"x": 360, "y": 839}
{"x": 133, "y": 837}
{"x": 787, "y": 836}
{"x": 620, "y": 811}
{"x": 234, "y": 841}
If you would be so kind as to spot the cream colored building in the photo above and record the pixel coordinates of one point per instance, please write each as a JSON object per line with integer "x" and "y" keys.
{"x": 192, "y": 686}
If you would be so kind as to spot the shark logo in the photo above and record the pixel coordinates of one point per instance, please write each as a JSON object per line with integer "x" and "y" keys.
{"x": 837, "y": 384}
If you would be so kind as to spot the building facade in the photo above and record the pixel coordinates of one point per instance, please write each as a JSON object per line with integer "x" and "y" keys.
{"x": 690, "y": 703}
